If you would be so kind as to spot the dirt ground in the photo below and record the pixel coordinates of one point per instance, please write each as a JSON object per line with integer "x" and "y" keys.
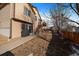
{"x": 43, "y": 45}
{"x": 36, "y": 46}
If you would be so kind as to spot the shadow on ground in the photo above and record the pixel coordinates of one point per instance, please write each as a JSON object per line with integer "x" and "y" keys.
{"x": 8, "y": 53}
{"x": 58, "y": 46}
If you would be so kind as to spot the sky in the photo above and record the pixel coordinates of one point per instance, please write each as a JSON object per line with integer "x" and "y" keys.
{"x": 43, "y": 8}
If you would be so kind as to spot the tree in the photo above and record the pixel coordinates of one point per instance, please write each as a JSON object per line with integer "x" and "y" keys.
{"x": 76, "y": 9}
{"x": 58, "y": 45}
{"x": 59, "y": 17}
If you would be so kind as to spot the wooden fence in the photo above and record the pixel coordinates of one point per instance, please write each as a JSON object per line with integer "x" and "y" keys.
{"x": 73, "y": 36}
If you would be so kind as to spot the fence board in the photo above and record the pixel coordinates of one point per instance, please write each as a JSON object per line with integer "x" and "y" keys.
{"x": 74, "y": 36}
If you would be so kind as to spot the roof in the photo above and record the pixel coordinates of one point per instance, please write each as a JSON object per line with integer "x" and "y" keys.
{"x": 33, "y": 9}
{"x": 38, "y": 12}
{"x": 31, "y": 6}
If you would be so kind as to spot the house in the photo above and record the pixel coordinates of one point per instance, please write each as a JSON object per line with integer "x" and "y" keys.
{"x": 77, "y": 29}
{"x": 37, "y": 22}
{"x": 18, "y": 19}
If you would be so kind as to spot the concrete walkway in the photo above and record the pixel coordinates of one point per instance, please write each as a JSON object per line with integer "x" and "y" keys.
{"x": 13, "y": 43}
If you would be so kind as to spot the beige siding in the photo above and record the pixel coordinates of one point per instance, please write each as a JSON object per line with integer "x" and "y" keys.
{"x": 16, "y": 29}
{"x": 6, "y": 15}
{"x": 36, "y": 22}
{"x": 5, "y": 21}
{"x": 19, "y": 12}
{"x": 12, "y": 10}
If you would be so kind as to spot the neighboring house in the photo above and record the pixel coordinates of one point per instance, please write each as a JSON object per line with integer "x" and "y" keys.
{"x": 44, "y": 26}
{"x": 17, "y": 19}
{"x": 77, "y": 29}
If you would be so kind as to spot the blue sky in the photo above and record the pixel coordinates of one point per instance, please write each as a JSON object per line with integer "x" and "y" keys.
{"x": 44, "y": 7}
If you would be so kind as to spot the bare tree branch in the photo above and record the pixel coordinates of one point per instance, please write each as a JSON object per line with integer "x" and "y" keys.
{"x": 74, "y": 9}
{"x": 74, "y": 21}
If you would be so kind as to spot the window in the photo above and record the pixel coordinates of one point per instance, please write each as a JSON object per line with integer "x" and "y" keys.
{"x": 29, "y": 12}
{"x": 26, "y": 11}
{"x": 35, "y": 17}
